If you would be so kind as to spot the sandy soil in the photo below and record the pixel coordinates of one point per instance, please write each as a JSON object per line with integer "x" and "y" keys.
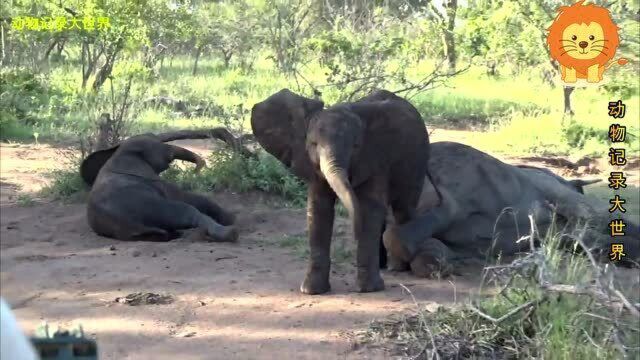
{"x": 232, "y": 301}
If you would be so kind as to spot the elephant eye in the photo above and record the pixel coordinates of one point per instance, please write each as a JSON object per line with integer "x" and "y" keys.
{"x": 591, "y": 37}
{"x": 574, "y": 38}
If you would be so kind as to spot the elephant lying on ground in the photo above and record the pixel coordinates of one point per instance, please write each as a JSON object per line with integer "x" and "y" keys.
{"x": 369, "y": 154}
{"x": 129, "y": 201}
{"x": 484, "y": 210}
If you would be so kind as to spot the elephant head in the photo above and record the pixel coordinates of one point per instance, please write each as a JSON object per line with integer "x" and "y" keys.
{"x": 147, "y": 154}
{"x": 334, "y": 139}
{"x": 280, "y": 123}
{"x": 293, "y": 129}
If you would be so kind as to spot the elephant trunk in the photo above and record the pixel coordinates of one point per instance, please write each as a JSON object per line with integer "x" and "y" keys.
{"x": 187, "y": 155}
{"x": 336, "y": 176}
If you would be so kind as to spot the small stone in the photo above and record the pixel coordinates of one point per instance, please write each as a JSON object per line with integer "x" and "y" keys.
{"x": 136, "y": 253}
{"x": 112, "y": 248}
{"x": 154, "y": 254}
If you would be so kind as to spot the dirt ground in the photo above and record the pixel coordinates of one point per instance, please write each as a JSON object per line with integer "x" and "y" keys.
{"x": 232, "y": 301}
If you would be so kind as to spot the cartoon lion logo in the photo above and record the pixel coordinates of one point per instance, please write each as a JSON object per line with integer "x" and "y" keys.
{"x": 583, "y": 39}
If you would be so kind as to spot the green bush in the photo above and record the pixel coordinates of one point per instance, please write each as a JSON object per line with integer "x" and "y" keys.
{"x": 66, "y": 183}
{"x": 576, "y": 134}
{"x": 23, "y": 97}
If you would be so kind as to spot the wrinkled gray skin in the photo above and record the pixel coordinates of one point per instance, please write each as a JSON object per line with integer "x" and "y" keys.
{"x": 129, "y": 201}
{"x": 349, "y": 151}
{"x": 485, "y": 200}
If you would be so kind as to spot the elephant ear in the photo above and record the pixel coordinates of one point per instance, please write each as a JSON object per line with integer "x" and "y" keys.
{"x": 312, "y": 105}
{"x": 92, "y": 164}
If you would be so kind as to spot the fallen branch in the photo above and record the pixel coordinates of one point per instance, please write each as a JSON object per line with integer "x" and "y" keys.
{"x": 503, "y": 317}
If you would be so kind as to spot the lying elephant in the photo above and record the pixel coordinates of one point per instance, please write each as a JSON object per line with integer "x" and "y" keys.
{"x": 350, "y": 151}
{"x": 484, "y": 210}
{"x": 129, "y": 200}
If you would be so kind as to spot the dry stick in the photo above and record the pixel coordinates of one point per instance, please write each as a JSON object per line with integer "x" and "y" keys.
{"x": 594, "y": 292}
{"x": 455, "y": 292}
{"x": 426, "y": 327}
{"x": 503, "y": 317}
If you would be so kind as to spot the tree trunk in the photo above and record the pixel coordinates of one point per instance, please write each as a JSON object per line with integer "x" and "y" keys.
{"x": 567, "y": 99}
{"x": 4, "y": 54}
{"x": 451, "y": 7}
{"x": 85, "y": 75}
{"x": 105, "y": 71}
{"x": 227, "y": 58}
{"x": 61, "y": 47}
{"x": 195, "y": 63}
{"x": 52, "y": 46}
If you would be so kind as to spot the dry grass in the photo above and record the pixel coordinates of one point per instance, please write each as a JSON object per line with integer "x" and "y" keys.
{"x": 548, "y": 304}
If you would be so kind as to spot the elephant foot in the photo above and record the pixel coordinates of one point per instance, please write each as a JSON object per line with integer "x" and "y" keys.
{"x": 370, "y": 282}
{"x": 432, "y": 260}
{"x": 219, "y": 233}
{"x": 427, "y": 266}
{"x": 397, "y": 245}
{"x": 315, "y": 283}
{"x": 397, "y": 265}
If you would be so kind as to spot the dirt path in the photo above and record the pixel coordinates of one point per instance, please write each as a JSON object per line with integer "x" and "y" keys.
{"x": 231, "y": 301}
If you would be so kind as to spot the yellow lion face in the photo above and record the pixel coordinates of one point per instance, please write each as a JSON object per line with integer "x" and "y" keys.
{"x": 582, "y": 41}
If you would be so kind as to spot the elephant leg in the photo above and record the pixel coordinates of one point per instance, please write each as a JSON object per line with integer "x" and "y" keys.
{"x": 172, "y": 215}
{"x": 383, "y": 250}
{"x": 147, "y": 234}
{"x": 105, "y": 223}
{"x": 202, "y": 203}
{"x": 402, "y": 241}
{"x": 372, "y": 198}
{"x": 320, "y": 214}
{"x": 403, "y": 209}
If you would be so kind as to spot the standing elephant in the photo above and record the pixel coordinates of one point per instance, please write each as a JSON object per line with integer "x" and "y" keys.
{"x": 129, "y": 201}
{"x": 369, "y": 154}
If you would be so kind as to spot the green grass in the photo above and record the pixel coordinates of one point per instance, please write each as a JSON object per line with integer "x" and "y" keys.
{"x": 25, "y": 199}
{"x": 522, "y": 115}
{"x": 66, "y": 184}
